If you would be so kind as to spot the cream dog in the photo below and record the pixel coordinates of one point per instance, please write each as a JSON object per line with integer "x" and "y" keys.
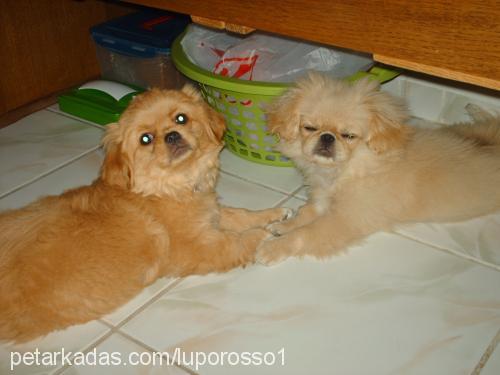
{"x": 369, "y": 172}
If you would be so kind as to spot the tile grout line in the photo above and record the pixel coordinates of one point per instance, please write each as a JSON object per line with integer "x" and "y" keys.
{"x": 151, "y": 349}
{"x": 117, "y": 328}
{"x": 487, "y": 354}
{"x": 50, "y": 171}
{"x": 83, "y": 121}
{"x": 112, "y": 329}
{"x": 85, "y": 349}
{"x": 276, "y": 190}
{"x": 125, "y": 335}
{"x": 452, "y": 252}
{"x": 282, "y": 201}
{"x": 304, "y": 186}
{"x": 167, "y": 287}
{"x": 143, "y": 307}
{"x": 288, "y": 197}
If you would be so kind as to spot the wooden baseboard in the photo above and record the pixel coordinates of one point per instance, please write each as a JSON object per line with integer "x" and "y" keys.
{"x": 25, "y": 110}
{"x": 439, "y": 72}
{"x": 18, "y": 113}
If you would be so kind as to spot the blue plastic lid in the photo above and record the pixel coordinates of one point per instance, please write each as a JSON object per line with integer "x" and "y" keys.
{"x": 141, "y": 34}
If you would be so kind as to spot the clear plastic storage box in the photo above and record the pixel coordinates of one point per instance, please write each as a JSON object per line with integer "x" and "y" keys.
{"x": 135, "y": 49}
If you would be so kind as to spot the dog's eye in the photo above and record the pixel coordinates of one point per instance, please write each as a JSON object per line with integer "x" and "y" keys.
{"x": 310, "y": 128}
{"x": 147, "y": 138}
{"x": 348, "y": 136}
{"x": 181, "y": 119}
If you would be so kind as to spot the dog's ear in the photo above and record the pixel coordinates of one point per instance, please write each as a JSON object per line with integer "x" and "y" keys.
{"x": 115, "y": 169}
{"x": 283, "y": 117}
{"x": 387, "y": 129}
{"x": 216, "y": 125}
{"x": 191, "y": 91}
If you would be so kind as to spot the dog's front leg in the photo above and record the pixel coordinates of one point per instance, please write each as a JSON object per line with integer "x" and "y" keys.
{"x": 217, "y": 251}
{"x": 323, "y": 237}
{"x": 240, "y": 219}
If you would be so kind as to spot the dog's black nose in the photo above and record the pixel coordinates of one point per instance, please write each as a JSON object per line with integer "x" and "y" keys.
{"x": 172, "y": 137}
{"x": 327, "y": 139}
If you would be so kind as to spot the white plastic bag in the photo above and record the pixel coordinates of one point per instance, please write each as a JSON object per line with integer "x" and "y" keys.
{"x": 262, "y": 57}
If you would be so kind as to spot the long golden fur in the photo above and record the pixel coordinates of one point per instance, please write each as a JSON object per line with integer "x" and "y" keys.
{"x": 369, "y": 172}
{"x": 152, "y": 212}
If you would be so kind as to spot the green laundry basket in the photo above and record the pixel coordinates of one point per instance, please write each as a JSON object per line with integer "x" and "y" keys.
{"x": 243, "y": 102}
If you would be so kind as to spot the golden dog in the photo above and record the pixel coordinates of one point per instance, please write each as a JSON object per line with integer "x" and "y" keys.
{"x": 152, "y": 212}
{"x": 369, "y": 172}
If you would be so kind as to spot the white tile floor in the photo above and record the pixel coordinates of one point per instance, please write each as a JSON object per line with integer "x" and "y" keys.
{"x": 423, "y": 300}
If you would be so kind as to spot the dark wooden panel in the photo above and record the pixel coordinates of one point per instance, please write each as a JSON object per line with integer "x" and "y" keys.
{"x": 456, "y": 39}
{"x": 45, "y": 47}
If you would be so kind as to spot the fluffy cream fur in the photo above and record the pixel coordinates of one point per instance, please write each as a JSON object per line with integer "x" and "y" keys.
{"x": 368, "y": 171}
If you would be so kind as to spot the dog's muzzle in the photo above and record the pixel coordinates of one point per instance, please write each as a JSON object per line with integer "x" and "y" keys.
{"x": 178, "y": 146}
{"x": 173, "y": 137}
{"x": 325, "y": 145}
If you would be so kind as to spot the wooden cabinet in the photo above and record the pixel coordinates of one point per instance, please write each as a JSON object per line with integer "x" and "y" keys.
{"x": 45, "y": 48}
{"x": 458, "y": 39}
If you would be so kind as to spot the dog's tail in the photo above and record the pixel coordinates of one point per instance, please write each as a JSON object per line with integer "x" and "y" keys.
{"x": 484, "y": 130}
{"x": 477, "y": 113}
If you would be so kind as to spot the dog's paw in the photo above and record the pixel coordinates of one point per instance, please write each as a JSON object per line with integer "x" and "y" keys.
{"x": 277, "y": 229}
{"x": 271, "y": 251}
{"x": 288, "y": 213}
{"x": 279, "y": 214}
{"x": 251, "y": 239}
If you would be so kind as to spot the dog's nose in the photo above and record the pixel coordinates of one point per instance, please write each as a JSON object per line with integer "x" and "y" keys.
{"x": 172, "y": 137}
{"x": 327, "y": 138}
